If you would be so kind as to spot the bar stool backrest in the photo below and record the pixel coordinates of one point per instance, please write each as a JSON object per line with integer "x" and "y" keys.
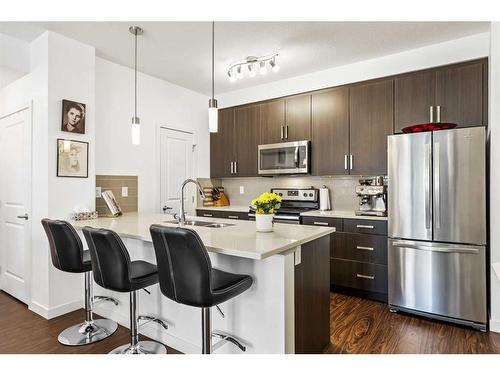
{"x": 110, "y": 259}
{"x": 184, "y": 267}
{"x": 66, "y": 249}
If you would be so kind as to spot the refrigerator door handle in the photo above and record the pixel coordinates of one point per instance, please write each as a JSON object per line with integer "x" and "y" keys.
{"x": 448, "y": 249}
{"x": 437, "y": 198}
{"x": 428, "y": 179}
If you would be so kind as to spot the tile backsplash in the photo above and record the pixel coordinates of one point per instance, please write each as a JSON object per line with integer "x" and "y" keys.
{"x": 115, "y": 184}
{"x": 341, "y": 188}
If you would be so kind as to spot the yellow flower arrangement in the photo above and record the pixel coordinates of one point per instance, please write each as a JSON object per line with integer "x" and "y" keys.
{"x": 266, "y": 203}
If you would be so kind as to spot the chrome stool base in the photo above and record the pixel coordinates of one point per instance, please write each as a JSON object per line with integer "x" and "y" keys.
{"x": 87, "y": 332}
{"x": 142, "y": 347}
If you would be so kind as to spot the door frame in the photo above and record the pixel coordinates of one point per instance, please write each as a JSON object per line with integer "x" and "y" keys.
{"x": 28, "y": 141}
{"x": 194, "y": 159}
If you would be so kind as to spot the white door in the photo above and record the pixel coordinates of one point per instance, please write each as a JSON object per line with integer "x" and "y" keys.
{"x": 176, "y": 165}
{"x": 15, "y": 203}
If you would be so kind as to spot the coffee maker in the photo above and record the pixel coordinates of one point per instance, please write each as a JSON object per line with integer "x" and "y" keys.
{"x": 372, "y": 194}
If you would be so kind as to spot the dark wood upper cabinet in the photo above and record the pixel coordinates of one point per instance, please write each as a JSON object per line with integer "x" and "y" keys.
{"x": 297, "y": 118}
{"x": 272, "y": 121}
{"x": 371, "y": 121}
{"x": 414, "y": 94}
{"x": 459, "y": 93}
{"x": 246, "y": 139}
{"x": 352, "y": 120}
{"x": 222, "y": 145}
{"x": 456, "y": 94}
{"x": 330, "y": 132}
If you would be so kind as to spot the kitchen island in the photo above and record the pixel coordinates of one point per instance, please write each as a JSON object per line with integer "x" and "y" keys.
{"x": 285, "y": 311}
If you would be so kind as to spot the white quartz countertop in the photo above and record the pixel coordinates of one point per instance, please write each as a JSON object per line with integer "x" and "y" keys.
{"x": 226, "y": 208}
{"x": 342, "y": 214}
{"x": 239, "y": 240}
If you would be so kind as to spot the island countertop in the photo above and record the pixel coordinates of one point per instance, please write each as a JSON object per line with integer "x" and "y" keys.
{"x": 239, "y": 240}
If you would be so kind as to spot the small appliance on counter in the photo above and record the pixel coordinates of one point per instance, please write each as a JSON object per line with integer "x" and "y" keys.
{"x": 295, "y": 201}
{"x": 372, "y": 194}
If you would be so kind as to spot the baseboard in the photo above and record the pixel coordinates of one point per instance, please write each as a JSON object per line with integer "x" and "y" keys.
{"x": 151, "y": 330}
{"x": 495, "y": 325}
{"x": 53, "y": 312}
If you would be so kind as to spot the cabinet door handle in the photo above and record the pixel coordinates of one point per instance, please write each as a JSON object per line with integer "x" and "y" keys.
{"x": 438, "y": 113}
{"x": 235, "y": 167}
{"x": 351, "y": 162}
{"x": 208, "y": 215}
{"x": 281, "y": 130}
{"x": 364, "y": 226}
{"x": 286, "y": 131}
{"x": 365, "y": 248}
{"x": 320, "y": 223}
{"x": 361, "y": 276}
{"x": 231, "y": 167}
{"x": 232, "y": 217}
{"x": 431, "y": 113}
{"x": 345, "y": 163}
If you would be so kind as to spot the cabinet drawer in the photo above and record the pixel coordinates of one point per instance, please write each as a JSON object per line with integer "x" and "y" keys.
{"x": 364, "y": 276}
{"x": 234, "y": 215}
{"x": 360, "y": 247}
{"x": 365, "y": 226}
{"x": 207, "y": 213}
{"x": 323, "y": 221}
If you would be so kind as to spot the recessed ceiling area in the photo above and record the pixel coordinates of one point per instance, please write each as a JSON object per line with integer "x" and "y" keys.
{"x": 180, "y": 52}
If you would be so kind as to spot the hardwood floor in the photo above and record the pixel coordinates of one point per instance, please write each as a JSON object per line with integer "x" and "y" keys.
{"x": 356, "y": 326}
{"x": 361, "y": 326}
{"x": 25, "y": 332}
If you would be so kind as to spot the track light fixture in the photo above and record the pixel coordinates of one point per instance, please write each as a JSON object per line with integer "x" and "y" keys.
{"x": 252, "y": 64}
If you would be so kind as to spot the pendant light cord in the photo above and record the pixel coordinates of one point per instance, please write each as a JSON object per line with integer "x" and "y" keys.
{"x": 213, "y": 53}
{"x": 135, "y": 77}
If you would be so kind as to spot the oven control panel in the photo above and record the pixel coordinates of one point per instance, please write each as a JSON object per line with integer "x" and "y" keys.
{"x": 310, "y": 195}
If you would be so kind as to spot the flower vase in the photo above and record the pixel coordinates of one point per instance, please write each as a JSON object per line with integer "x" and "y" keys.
{"x": 264, "y": 222}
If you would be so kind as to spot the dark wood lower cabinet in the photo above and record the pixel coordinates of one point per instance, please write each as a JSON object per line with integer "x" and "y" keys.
{"x": 358, "y": 256}
{"x": 359, "y": 275}
{"x": 312, "y": 296}
{"x": 223, "y": 214}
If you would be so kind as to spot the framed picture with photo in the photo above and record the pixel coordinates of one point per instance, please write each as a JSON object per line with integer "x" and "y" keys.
{"x": 72, "y": 158}
{"x": 73, "y": 117}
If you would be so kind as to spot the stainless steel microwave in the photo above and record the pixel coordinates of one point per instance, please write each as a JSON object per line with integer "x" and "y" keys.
{"x": 284, "y": 158}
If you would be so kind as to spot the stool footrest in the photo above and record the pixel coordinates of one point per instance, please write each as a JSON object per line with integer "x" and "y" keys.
{"x": 153, "y": 319}
{"x": 97, "y": 299}
{"x": 225, "y": 338}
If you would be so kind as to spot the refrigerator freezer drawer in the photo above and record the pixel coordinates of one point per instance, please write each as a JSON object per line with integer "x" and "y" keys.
{"x": 436, "y": 278}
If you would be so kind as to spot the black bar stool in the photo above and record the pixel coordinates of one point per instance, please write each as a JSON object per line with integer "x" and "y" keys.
{"x": 67, "y": 254}
{"x": 186, "y": 276}
{"x": 114, "y": 270}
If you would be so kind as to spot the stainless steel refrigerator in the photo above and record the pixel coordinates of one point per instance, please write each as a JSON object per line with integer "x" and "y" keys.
{"x": 437, "y": 225}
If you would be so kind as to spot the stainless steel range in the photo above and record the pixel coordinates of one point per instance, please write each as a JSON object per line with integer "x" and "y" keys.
{"x": 295, "y": 201}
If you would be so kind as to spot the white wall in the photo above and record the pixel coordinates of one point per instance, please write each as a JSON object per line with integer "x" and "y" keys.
{"x": 494, "y": 120}
{"x": 463, "y": 49}
{"x": 160, "y": 103}
{"x": 14, "y": 59}
{"x": 61, "y": 68}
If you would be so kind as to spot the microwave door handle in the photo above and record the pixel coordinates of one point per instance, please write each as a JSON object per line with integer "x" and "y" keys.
{"x": 296, "y": 156}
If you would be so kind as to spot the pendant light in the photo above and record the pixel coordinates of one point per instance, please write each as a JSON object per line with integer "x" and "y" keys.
{"x": 136, "y": 129}
{"x": 212, "y": 103}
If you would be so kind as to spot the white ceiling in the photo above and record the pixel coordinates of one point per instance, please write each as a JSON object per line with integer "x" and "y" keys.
{"x": 179, "y": 52}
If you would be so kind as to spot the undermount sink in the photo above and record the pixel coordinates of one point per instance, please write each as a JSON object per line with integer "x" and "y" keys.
{"x": 196, "y": 223}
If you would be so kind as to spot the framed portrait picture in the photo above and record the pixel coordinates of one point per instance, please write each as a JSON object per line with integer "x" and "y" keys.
{"x": 72, "y": 158}
{"x": 73, "y": 117}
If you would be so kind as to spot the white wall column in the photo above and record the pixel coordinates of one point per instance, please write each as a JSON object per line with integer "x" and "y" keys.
{"x": 494, "y": 121}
